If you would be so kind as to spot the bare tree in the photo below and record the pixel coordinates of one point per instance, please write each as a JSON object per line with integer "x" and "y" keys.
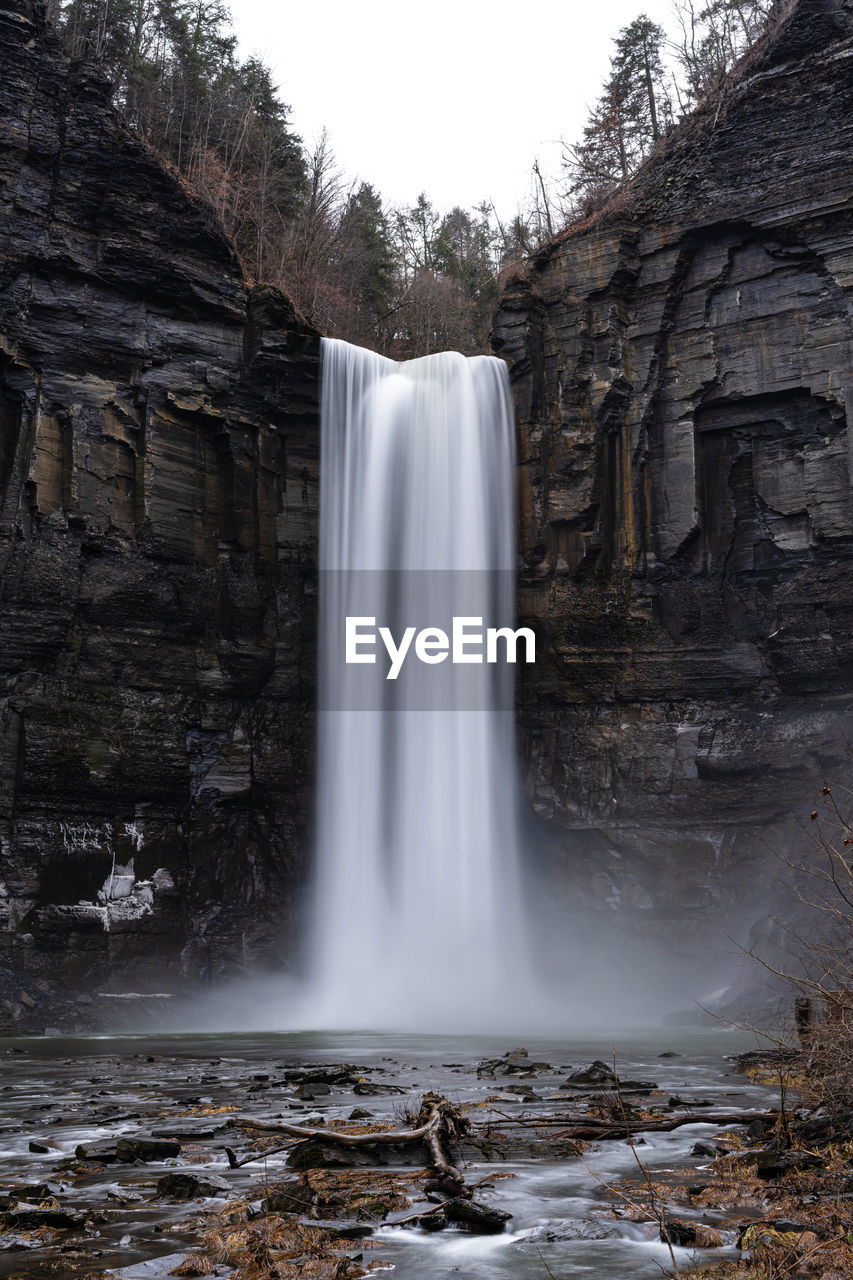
{"x": 817, "y": 947}
{"x": 711, "y": 38}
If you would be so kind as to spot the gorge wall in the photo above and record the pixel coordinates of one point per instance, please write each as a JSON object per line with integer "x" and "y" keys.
{"x": 683, "y": 375}
{"x": 682, "y": 370}
{"x": 158, "y": 526}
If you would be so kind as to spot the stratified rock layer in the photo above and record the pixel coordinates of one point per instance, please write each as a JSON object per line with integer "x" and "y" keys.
{"x": 682, "y": 369}
{"x": 158, "y": 523}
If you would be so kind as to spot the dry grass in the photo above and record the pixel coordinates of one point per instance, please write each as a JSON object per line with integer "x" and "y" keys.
{"x": 819, "y": 1200}
{"x": 203, "y": 1111}
{"x": 279, "y": 1248}
{"x": 194, "y": 1264}
{"x": 357, "y": 1193}
{"x": 785, "y": 1255}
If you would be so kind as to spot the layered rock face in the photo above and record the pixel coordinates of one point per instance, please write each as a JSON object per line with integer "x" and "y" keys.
{"x": 683, "y": 374}
{"x": 158, "y": 524}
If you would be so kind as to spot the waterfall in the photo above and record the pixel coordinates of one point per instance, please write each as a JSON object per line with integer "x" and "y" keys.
{"x": 417, "y": 917}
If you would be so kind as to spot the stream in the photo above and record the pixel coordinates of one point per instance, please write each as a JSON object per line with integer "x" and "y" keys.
{"x": 63, "y": 1091}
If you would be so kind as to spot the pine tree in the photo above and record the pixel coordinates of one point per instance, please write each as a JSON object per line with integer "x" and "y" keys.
{"x": 365, "y": 269}
{"x": 176, "y": 75}
{"x": 638, "y": 68}
{"x": 629, "y": 118}
{"x": 607, "y": 154}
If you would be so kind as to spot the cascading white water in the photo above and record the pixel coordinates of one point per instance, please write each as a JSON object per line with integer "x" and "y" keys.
{"x": 417, "y": 919}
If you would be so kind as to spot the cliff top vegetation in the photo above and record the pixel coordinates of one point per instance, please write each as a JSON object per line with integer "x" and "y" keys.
{"x": 403, "y": 281}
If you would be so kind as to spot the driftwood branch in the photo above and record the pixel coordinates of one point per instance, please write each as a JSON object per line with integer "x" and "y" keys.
{"x": 384, "y": 1138}
{"x": 433, "y": 1139}
{"x": 598, "y": 1130}
{"x": 234, "y": 1163}
{"x": 322, "y": 1135}
{"x": 437, "y": 1123}
{"x": 440, "y": 1123}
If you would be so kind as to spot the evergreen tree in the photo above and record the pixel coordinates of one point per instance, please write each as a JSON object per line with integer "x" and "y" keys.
{"x": 407, "y": 282}
{"x": 465, "y": 251}
{"x": 638, "y": 69}
{"x": 606, "y": 155}
{"x": 463, "y": 248}
{"x": 175, "y": 73}
{"x": 629, "y": 118}
{"x": 365, "y": 262}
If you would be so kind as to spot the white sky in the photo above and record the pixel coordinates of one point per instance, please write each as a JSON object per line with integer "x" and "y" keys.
{"x": 451, "y": 97}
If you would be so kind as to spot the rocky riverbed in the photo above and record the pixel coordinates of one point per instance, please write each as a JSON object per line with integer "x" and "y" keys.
{"x": 113, "y": 1156}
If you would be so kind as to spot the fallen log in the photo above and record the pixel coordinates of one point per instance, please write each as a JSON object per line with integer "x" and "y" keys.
{"x": 599, "y": 1130}
{"x": 383, "y": 1138}
{"x": 440, "y": 1122}
{"x": 437, "y": 1123}
{"x": 443, "y": 1124}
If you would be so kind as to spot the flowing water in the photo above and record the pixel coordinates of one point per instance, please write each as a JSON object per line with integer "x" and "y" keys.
{"x": 63, "y": 1091}
{"x": 418, "y": 859}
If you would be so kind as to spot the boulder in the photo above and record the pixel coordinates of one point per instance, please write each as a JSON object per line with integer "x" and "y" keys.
{"x": 373, "y": 1089}
{"x": 697, "y": 1235}
{"x": 313, "y": 1153}
{"x": 597, "y": 1073}
{"x": 524, "y": 1092}
{"x": 309, "y": 1090}
{"x": 432, "y": 1222}
{"x": 475, "y": 1216}
{"x": 184, "y": 1184}
{"x": 28, "y": 1218}
{"x": 707, "y": 1148}
{"x": 146, "y": 1149}
{"x": 514, "y": 1062}
{"x": 96, "y": 1152}
{"x": 771, "y": 1164}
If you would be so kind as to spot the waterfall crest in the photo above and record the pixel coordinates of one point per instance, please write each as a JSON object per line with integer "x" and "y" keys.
{"x": 417, "y": 919}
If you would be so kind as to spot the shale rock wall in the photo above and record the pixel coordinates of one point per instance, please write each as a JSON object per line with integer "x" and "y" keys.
{"x": 682, "y": 368}
{"x": 683, "y": 372}
{"x": 158, "y": 525}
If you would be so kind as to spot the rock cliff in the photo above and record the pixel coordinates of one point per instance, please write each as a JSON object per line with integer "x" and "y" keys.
{"x": 682, "y": 370}
{"x": 158, "y": 524}
{"x": 683, "y": 376}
